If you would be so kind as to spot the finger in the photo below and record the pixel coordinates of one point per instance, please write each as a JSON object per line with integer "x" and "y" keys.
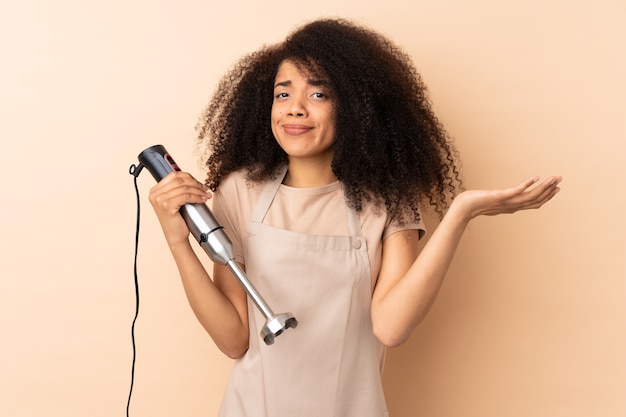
{"x": 547, "y": 187}
{"x": 541, "y": 194}
{"x": 178, "y": 179}
{"x": 527, "y": 184}
{"x": 172, "y": 200}
{"x": 528, "y": 194}
{"x": 176, "y": 190}
{"x": 519, "y": 190}
{"x": 548, "y": 194}
{"x": 186, "y": 187}
{"x": 174, "y": 177}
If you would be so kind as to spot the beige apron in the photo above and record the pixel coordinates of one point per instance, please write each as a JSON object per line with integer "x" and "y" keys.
{"x": 330, "y": 364}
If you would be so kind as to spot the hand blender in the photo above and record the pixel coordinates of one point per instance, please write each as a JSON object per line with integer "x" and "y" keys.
{"x": 213, "y": 239}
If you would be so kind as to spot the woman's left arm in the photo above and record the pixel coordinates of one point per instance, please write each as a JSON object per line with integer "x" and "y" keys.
{"x": 408, "y": 284}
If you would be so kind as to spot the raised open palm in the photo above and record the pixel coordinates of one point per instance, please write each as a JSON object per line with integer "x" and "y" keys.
{"x": 528, "y": 195}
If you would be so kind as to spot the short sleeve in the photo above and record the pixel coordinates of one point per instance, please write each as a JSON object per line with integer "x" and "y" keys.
{"x": 404, "y": 220}
{"x": 223, "y": 206}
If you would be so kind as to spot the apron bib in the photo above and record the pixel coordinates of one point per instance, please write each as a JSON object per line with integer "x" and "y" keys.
{"x": 330, "y": 364}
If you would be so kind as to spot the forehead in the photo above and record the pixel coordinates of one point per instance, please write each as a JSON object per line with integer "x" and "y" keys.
{"x": 289, "y": 69}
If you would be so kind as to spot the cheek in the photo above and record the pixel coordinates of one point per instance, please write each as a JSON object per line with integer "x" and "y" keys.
{"x": 330, "y": 123}
{"x": 274, "y": 127}
{"x": 275, "y": 113}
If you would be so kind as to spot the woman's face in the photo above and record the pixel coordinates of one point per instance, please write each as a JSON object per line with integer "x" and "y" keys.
{"x": 303, "y": 119}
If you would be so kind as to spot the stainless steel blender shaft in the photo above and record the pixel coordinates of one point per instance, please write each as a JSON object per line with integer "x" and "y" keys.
{"x": 275, "y": 324}
{"x": 219, "y": 248}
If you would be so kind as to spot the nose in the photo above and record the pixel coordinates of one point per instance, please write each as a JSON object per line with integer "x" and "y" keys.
{"x": 297, "y": 107}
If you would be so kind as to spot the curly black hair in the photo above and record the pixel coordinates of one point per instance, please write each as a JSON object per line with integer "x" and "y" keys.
{"x": 390, "y": 149}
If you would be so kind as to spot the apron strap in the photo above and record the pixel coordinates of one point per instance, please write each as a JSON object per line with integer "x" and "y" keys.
{"x": 267, "y": 196}
{"x": 354, "y": 220}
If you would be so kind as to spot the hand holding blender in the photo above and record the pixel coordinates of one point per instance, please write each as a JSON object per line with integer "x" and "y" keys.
{"x": 212, "y": 238}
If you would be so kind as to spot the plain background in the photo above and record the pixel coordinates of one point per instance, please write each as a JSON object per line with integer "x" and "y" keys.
{"x": 531, "y": 320}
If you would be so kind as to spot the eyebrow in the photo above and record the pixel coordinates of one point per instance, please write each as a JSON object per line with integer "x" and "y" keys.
{"x": 314, "y": 83}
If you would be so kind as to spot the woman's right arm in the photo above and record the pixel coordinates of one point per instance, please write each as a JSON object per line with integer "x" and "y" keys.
{"x": 219, "y": 304}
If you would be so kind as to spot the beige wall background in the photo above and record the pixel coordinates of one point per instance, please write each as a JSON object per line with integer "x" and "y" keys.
{"x": 532, "y": 318}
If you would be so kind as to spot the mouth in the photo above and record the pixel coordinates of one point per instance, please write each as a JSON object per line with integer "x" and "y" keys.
{"x": 293, "y": 129}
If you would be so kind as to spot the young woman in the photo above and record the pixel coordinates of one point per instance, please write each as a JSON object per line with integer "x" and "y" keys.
{"x": 320, "y": 151}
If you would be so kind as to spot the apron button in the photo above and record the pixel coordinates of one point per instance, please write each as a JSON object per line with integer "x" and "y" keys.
{"x": 356, "y": 244}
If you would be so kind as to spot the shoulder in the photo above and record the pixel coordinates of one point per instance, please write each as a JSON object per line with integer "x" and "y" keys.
{"x": 234, "y": 180}
{"x": 237, "y": 187}
{"x": 390, "y": 223}
{"x": 232, "y": 205}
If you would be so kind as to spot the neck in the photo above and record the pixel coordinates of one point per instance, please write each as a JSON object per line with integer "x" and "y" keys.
{"x": 301, "y": 174}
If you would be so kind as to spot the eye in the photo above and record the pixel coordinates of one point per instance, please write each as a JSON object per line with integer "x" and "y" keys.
{"x": 281, "y": 95}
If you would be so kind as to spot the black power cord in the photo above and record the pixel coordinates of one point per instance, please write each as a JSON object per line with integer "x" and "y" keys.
{"x": 134, "y": 171}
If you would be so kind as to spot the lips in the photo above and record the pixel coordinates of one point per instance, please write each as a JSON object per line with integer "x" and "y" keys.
{"x": 292, "y": 129}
